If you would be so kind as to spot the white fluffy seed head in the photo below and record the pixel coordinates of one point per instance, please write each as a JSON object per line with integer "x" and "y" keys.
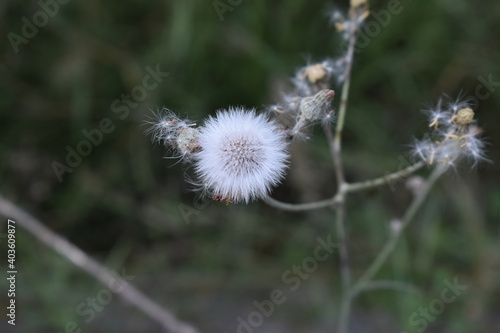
{"x": 180, "y": 136}
{"x": 454, "y": 134}
{"x": 242, "y": 155}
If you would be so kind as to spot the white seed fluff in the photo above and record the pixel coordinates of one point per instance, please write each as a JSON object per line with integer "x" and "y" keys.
{"x": 242, "y": 155}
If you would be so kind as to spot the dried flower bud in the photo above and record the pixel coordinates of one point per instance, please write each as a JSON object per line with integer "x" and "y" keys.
{"x": 178, "y": 135}
{"x": 464, "y": 116}
{"x": 358, "y": 3}
{"x": 312, "y": 109}
{"x": 187, "y": 141}
{"x": 315, "y": 73}
{"x": 454, "y": 135}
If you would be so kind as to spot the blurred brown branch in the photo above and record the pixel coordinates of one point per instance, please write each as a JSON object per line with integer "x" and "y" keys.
{"x": 93, "y": 268}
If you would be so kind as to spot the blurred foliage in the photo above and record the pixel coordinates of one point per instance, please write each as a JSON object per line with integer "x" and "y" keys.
{"x": 123, "y": 203}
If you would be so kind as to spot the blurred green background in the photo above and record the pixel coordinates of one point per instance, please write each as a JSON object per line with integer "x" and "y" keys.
{"x": 122, "y": 204}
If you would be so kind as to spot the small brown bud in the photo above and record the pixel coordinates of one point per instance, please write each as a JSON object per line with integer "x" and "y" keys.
{"x": 315, "y": 73}
{"x": 359, "y": 3}
{"x": 187, "y": 141}
{"x": 465, "y": 116}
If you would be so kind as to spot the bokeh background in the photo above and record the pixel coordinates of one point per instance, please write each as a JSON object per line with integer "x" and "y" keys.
{"x": 123, "y": 203}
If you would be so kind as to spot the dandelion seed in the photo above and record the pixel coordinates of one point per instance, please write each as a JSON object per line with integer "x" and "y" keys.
{"x": 437, "y": 115}
{"x": 461, "y": 102}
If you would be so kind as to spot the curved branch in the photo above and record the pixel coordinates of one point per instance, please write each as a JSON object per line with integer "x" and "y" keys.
{"x": 355, "y": 187}
{"x": 93, "y": 268}
{"x": 347, "y": 188}
{"x": 392, "y": 242}
{"x": 301, "y": 207}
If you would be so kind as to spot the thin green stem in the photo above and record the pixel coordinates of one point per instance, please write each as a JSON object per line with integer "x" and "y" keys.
{"x": 301, "y": 207}
{"x": 336, "y": 149}
{"x": 348, "y": 188}
{"x": 344, "y": 97}
{"x": 393, "y": 241}
{"x": 345, "y": 269}
{"x": 387, "y": 179}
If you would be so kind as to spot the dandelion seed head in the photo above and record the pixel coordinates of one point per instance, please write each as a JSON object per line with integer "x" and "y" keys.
{"x": 242, "y": 155}
{"x": 454, "y": 135}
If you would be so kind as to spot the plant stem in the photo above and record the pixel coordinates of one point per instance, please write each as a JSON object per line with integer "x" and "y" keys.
{"x": 80, "y": 259}
{"x": 391, "y": 244}
{"x": 357, "y": 13}
{"x": 348, "y": 188}
{"x": 387, "y": 179}
{"x": 336, "y": 150}
{"x": 345, "y": 269}
{"x": 301, "y": 207}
